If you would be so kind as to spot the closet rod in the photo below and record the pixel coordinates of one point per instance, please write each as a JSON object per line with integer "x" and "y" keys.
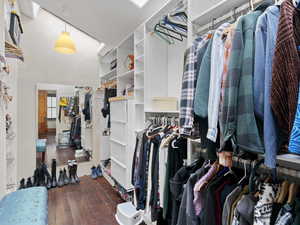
{"x": 227, "y": 17}
{"x": 292, "y": 175}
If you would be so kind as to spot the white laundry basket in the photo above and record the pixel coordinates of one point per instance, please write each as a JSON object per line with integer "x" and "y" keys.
{"x": 128, "y": 215}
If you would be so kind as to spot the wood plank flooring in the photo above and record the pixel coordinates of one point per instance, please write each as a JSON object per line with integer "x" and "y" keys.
{"x": 62, "y": 155}
{"x": 92, "y": 202}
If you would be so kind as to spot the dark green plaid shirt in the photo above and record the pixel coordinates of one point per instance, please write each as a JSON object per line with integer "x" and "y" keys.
{"x": 237, "y": 114}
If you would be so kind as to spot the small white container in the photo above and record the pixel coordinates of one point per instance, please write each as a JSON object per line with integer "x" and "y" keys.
{"x": 128, "y": 215}
{"x": 165, "y": 103}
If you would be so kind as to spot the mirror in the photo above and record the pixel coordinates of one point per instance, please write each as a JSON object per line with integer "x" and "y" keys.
{"x": 64, "y": 115}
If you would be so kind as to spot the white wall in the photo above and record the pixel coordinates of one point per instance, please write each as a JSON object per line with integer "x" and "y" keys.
{"x": 51, "y": 124}
{"x": 2, "y": 121}
{"x": 44, "y": 65}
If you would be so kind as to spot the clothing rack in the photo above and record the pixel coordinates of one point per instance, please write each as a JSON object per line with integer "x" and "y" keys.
{"x": 228, "y": 17}
{"x": 163, "y": 118}
{"x": 292, "y": 175}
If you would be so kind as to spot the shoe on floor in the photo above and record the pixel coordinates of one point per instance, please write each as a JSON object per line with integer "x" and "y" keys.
{"x": 60, "y": 182}
{"x": 99, "y": 171}
{"x": 66, "y": 179}
{"x": 94, "y": 172}
{"x": 71, "y": 174}
{"x": 29, "y": 183}
{"x": 77, "y": 180}
{"x": 22, "y": 184}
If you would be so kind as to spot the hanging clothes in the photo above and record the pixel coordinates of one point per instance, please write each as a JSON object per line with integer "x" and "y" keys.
{"x": 265, "y": 41}
{"x": 189, "y": 82}
{"x": 216, "y": 70}
{"x": 177, "y": 151}
{"x": 286, "y": 70}
{"x": 87, "y": 110}
{"x": 294, "y": 144}
{"x": 108, "y": 93}
{"x": 240, "y": 127}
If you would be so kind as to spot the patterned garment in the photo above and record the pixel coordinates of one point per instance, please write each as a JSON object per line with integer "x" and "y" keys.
{"x": 199, "y": 186}
{"x": 189, "y": 82}
{"x": 263, "y": 208}
{"x": 294, "y": 145}
{"x": 285, "y": 217}
{"x": 227, "y": 52}
{"x": 238, "y": 120}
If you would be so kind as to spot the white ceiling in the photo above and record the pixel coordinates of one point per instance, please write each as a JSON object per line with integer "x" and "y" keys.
{"x": 109, "y": 21}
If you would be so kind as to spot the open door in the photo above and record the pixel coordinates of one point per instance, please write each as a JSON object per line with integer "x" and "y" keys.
{"x": 43, "y": 128}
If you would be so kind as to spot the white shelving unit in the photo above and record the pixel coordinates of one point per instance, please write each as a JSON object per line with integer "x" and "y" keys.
{"x": 106, "y": 72}
{"x": 158, "y": 68}
{"x": 139, "y": 79}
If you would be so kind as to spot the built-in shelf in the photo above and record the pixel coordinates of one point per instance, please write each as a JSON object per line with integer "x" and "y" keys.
{"x": 110, "y": 74}
{"x": 139, "y": 103}
{"x": 139, "y": 73}
{"x": 139, "y": 88}
{"x": 140, "y": 58}
{"x": 117, "y": 142}
{"x": 126, "y": 74}
{"x": 118, "y": 121}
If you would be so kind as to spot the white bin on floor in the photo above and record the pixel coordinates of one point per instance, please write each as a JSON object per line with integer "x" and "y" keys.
{"x": 128, "y": 215}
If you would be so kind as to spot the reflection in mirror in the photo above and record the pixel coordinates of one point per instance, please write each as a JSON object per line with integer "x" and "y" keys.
{"x": 64, "y": 124}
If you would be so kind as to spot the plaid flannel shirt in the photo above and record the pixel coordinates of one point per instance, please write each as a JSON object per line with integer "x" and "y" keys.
{"x": 189, "y": 82}
{"x": 238, "y": 118}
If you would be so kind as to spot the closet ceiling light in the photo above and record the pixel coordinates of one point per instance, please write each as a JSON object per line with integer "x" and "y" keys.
{"x": 65, "y": 44}
{"x": 140, "y": 3}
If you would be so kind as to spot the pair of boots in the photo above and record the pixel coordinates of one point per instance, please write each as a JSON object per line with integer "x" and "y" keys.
{"x": 72, "y": 167}
{"x": 42, "y": 176}
{"x": 63, "y": 178}
{"x": 28, "y": 184}
{"x": 96, "y": 172}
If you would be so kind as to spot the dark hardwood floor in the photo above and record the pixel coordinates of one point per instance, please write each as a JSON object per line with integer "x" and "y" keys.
{"x": 92, "y": 202}
{"x": 62, "y": 155}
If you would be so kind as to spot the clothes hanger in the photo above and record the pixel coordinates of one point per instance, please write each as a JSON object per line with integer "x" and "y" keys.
{"x": 169, "y": 32}
{"x": 168, "y": 39}
{"x": 293, "y": 190}
{"x": 278, "y": 192}
{"x": 245, "y": 174}
{"x": 283, "y": 192}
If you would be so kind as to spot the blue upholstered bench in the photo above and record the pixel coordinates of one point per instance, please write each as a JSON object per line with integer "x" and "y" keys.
{"x": 25, "y": 207}
{"x": 41, "y": 145}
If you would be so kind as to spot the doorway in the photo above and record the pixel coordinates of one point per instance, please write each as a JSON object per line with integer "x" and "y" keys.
{"x": 61, "y": 125}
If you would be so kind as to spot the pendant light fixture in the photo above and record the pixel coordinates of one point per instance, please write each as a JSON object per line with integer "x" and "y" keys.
{"x": 64, "y": 43}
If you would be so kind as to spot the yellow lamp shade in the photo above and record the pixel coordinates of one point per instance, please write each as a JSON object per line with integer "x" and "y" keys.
{"x": 65, "y": 44}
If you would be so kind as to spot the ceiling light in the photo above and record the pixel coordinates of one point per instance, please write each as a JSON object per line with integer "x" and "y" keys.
{"x": 101, "y": 46}
{"x": 139, "y": 3}
{"x": 65, "y": 44}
